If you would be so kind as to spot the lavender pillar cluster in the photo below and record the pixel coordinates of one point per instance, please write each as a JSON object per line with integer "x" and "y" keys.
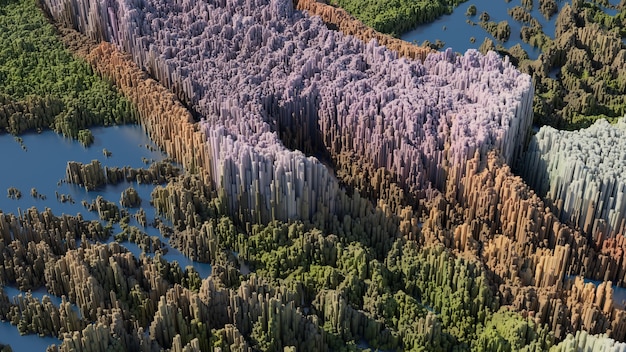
{"x": 271, "y": 83}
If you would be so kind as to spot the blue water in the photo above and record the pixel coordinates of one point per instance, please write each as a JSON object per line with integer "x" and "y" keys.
{"x": 9, "y": 333}
{"x": 13, "y": 292}
{"x": 456, "y": 33}
{"x": 619, "y": 293}
{"x": 364, "y": 345}
{"x": 42, "y": 165}
{"x": 611, "y": 11}
{"x": 10, "y": 336}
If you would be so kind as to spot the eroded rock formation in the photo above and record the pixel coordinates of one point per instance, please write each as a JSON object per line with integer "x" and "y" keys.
{"x": 584, "y": 341}
{"x": 582, "y": 173}
{"x": 267, "y": 79}
{"x": 580, "y": 75}
{"x": 32, "y": 238}
{"x": 283, "y": 94}
{"x": 130, "y": 198}
{"x": 93, "y": 175}
{"x": 347, "y": 24}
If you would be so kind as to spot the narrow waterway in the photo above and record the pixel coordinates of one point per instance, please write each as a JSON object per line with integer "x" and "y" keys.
{"x": 39, "y": 161}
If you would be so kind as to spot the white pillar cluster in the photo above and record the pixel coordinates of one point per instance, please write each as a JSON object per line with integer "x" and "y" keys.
{"x": 582, "y": 174}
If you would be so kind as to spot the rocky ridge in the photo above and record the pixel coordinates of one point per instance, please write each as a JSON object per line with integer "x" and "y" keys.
{"x": 464, "y": 219}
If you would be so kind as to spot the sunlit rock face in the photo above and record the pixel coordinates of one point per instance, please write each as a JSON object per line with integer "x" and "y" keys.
{"x": 583, "y": 174}
{"x": 277, "y": 91}
{"x": 583, "y": 341}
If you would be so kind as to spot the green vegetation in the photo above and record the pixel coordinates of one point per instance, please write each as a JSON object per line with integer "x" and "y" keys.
{"x": 520, "y": 14}
{"x": 133, "y": 234}
{"x": 405, "y": 297}
{"x": 591, "y": 83}
{"x": 437, "y": 45}
{"x": 388, "y": 301}
{"x": 592, "y": 79}
{"x": 43, "y": 86}
{"x": 581, "y": 76}
{"x": 508, "y": 331}
{"x": 354, "y": 278}
{"x": 395, "y": 17}
{"x": 610, "y": 23}
{"x": 471, "y": 10}
{"x": 500, "y": 30}
{"x": 14, "y": 193}
{"x": 85, "y": 137}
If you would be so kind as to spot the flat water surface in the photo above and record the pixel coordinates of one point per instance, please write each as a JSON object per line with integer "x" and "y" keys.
{"x": 41, "y": 165}
{"x": 455, "y": 32}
